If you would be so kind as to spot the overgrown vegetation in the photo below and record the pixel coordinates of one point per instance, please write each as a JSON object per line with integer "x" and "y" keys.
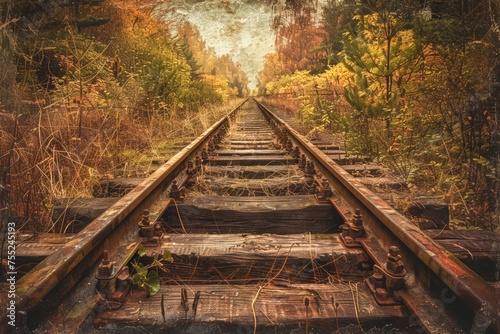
{"x": 409, "y": 82}
{"x": 90, "y": 87}
{"x": 146, "y": 275}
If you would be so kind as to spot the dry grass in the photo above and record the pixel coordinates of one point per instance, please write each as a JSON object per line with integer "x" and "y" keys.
{"x": 42, "y": 160}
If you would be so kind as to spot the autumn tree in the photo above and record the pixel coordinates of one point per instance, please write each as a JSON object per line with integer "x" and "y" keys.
{"x": 80, "y": 12}
{"x": 208, "y": 63}
{"x": 298, "y": 36}
{"x": 337, "y": 20}
{"x": 462, "y": 87}
{"x": 272, "y": 70}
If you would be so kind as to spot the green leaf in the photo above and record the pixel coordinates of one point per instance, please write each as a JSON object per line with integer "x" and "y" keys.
{"x": 167, "y": 256}
{"x": 153, "y": 283}
{"x": 141, "y": 251}
{"x": 137, "y": 279}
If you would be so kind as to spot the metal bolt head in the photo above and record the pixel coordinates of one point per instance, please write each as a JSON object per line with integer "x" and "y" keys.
{"x": 377, "y": 280}
{"x": 394, "y": 251}
{"x": 106, "y": 266}
{"x": 105, "y": 257}
{"x": 145, "y": 218}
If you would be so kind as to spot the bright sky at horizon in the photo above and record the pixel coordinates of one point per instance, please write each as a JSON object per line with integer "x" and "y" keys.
{"x": 241, "y": 29}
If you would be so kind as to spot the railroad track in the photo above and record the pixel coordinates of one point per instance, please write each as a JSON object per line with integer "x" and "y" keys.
{"x": 268, "y": 235}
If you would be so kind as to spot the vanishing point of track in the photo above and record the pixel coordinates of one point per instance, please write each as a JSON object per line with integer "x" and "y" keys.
{"x": 268, "y": 235}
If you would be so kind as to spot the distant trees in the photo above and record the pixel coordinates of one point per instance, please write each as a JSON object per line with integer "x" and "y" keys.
{"x": 414, "y": 83}
{"x": 82, "y": 83}
{"x": 208, "y": 63}
{"x": 81, "y": 10}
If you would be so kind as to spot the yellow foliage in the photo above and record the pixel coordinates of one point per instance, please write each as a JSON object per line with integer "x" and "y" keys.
{"x": 220, "y": 86}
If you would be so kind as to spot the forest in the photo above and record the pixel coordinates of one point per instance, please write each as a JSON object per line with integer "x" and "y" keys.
{"x": 90, "y": 88}
{"x": 413, "y": 84}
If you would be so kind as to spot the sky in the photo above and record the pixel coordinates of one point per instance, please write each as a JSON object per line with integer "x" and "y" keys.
{"x": 238, "y": 28}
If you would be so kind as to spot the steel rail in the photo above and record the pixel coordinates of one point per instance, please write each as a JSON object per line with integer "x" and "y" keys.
{"x": 62, "y": 270}
{"x": 466, "y": 284}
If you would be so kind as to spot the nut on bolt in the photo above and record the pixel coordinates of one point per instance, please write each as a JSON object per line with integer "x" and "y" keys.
{"x": 198, "y": 164}
{"x": 105, "y": 276}
{"x": 146, "y": 228}
{"x": 105, "y": 270}
{"x": 325, "y": 189}
{"x": 309, "y": 170}
{"x": 190, "y": 168}
{"x": 204, "y": 154}
{"x": 394, "y": 264}
{"x": 289, "y": 146}
{"x": 175, "y": 193}
{"x": 302, "y": 162}
{"x": 356, "y": 229}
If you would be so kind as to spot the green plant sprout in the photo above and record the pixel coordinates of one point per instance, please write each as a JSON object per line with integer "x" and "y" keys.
{"x": 146, "y": 278}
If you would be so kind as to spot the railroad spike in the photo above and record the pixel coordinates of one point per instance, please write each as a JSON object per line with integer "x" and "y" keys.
{"x": 302, "y": 162}
{"x": 353, "y": 230}
{"x": 394, "y": 264}
{"x": 150, "y": 232}
{"x": 191, "y": 173}
{"x": 289, "y": 146}
{"x": 211, "y": 147}
{"x": 204, "y": 154}
{"x": 325, "y": 189}
{"x": 105, "y": 269}
{"x": 310, "y": 170}
{"x": 174, "y": 191}
{"x": 105, "y": 276}
{"x": 146, "y": 229}
{"x": 357, "y": 219}
{"x": 198, "y": 164}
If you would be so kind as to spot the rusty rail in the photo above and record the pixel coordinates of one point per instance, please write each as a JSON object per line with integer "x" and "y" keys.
{"x": 45, "y": 287}
{"x": 389, "y": 225}
{"x": 58, "y": 273}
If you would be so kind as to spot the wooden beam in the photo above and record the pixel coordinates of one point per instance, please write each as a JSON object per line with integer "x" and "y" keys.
{"x": 269, "y": 305}
{"x": 232, "y": 214}
{"x": 243, "y": 259}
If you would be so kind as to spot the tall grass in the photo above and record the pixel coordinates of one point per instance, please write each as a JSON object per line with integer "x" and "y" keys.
{"x": 42, "y": 159}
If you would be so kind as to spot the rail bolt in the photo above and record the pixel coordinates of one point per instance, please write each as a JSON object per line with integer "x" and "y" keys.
{"x": 105, "y": 269}
{"x": 310, "y": 171}
{"x": 198, "y": 163}
{"x": 377, "y": 280}
{"x": 146, "y": 229}
{"x": 211, "y": 146}
{"x": 105, "y": 276}
{"x": 356, "y": 229}
{"x": 296, "y": 153}
{"x": 302, "y": 162}
{"x": 357, "y": 219}
{"x": 394, "y": 264}
{"x": 176, "y": 192}
{"x": 289, "y": 146}
{"x": 325, "y": 189}
{"x": 204, "y": 154}
{"x": 345, "y": 230}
